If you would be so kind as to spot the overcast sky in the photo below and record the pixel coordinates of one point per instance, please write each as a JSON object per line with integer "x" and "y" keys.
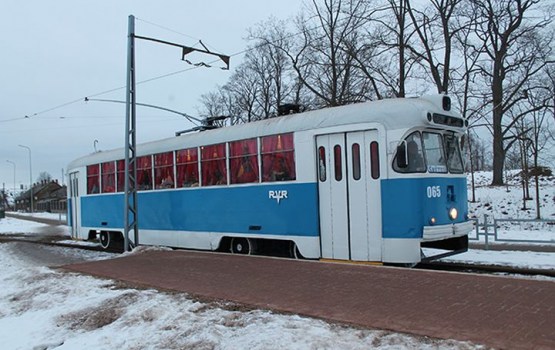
{"x": 57, "y": 52}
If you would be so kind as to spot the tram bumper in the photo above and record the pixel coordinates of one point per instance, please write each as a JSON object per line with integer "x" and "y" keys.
{"x": 452, "y": 238}
{"x": 439, "y": 232}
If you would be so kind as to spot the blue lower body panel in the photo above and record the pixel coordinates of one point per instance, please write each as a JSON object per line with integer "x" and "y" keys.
{"x": 277, "y": 209}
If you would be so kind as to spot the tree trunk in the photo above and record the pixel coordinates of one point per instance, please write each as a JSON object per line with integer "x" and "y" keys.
{"x": 497, "y": 100}
{"x": 498, "y": 149}
{"x": 538, "y": 202}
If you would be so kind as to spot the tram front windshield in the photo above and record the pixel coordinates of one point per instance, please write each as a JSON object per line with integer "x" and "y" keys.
{"x": 430, "y": 152}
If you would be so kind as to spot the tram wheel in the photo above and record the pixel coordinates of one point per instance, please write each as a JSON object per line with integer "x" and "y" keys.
{"x": 244, "y": 246}
{"x": 105, "y": 239}
{"x": 294, "y": 251}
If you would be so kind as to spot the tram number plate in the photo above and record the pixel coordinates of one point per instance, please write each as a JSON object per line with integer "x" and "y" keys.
{"x": 433, "y": 191}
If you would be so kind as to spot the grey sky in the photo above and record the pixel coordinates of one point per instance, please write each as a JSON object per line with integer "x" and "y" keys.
{"x": 55, "y": 52}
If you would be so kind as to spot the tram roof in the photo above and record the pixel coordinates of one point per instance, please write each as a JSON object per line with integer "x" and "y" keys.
{"x": 394, "y": 113}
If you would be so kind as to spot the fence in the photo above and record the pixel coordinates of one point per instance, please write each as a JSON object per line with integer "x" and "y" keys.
{"x": 491, "y": 230}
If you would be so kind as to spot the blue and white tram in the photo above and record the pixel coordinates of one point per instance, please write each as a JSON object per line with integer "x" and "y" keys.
{"x": 374, "y": 181}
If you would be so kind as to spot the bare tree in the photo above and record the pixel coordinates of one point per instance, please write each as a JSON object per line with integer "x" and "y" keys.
{"x": 382, "y": 55}
{"x": 514, "y": 51}
{"x": 436, "y": 30}
{"x": 267, "y": 60}
{"x": 321, "y": 59}
{"x": 536, "y": 132}
{"x": 44, "y": 176}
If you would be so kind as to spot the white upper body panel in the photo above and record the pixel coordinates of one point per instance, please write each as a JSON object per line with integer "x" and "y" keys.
{"x": 398, "y": 113}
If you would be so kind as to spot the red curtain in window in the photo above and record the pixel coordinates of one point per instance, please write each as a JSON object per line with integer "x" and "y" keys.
{"x": 187, "y": 167}
{"x": 278, "y": 158}
{"x": 108, "y": 177}
{"x": 213, "y": 167}
{"x": 144, "y": 173}
{"x": 163, "y": 170}
{"x": 243, "y": 161}
{"x": 121, "y": 175}
{"x": 93, "y": 179}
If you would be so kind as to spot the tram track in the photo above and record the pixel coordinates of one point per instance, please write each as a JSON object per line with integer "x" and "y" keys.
{"x": 483, "y": 269}
{"x": 54, "y": 243}
{"x": 432, "y": 265}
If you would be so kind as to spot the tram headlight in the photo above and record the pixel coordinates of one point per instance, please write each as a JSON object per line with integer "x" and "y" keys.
{"x": 432, "y": 221}
{"x": 453, "y": 213}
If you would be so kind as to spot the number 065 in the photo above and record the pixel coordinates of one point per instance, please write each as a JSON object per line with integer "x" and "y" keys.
{"x": 433, "y": 191}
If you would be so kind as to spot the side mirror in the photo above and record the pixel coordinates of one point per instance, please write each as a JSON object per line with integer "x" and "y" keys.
{"x": 401, "y": 156}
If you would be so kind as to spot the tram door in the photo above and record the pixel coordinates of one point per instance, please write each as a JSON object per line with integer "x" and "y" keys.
{"x": 75, "y": 203}
{"x": 349, "y": 195}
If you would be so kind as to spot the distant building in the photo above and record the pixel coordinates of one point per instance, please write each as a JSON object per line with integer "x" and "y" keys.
{"x": 48, "y": 196}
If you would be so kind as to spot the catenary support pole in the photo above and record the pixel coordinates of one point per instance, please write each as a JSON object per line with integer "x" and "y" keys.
{"x": 130, "y": 185}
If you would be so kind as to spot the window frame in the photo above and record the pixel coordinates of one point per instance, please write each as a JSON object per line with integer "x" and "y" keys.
{"x": 436, "y": 166}
{"x": 455, "y": 141}
{"x": 143, "y": 169}
{"x": 108, "y": 177}
{"x": 91, "y": 174}
{"x": 243, "y": 162}
{"x": 190, "y": 165}
{"x": 409, "y": 169}
{"x": 213, "y": 158}
{"x": 277, "y": 153}
{"x": 164, "y": 173}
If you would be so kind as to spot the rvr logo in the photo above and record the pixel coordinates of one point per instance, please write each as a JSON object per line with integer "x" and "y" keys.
{"x": 277, "y": 195}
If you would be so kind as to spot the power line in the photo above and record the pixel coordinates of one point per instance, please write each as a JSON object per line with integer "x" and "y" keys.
{"x": 160, "y": 76}
{"x": 165, "y": 28}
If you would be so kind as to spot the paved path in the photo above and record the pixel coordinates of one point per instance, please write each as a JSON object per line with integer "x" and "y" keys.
{"x": 500, "y": 312}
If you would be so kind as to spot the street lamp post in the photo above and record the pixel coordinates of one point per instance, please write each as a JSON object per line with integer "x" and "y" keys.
{"x": 30, "y": 175}
{"x": 13, "y": 194}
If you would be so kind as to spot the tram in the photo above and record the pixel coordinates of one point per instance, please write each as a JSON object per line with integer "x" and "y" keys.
{"x": 374, "y": 182}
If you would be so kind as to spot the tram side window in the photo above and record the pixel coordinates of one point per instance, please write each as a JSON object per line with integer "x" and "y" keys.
{"x": 213, "y": 165}
{"x": 121, "y": 175}
{"x": 243, "y": 161}
{"x": 144, "y": 173}
{"x": 93, "y": 179}
{"x": 435, "y": 155}
{"x": 163, "y": 170}
{"x": 186, "y": 161}
{"x": 108, "y": 177}
{"x": 413, "y": 157}
{"x": 278, "y": 158}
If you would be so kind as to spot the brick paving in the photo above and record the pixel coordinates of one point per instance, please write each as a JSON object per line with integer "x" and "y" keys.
{"x": 500, "y": 312}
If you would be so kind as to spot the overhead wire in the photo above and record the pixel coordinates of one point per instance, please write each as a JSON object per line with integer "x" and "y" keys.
{"x": 153, "y": 78}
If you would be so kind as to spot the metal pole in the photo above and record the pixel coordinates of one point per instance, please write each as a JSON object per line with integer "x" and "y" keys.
{"x": 130, "y": 188}
{"x": 30, "y": 176}
{"x": 486, "y": 224}
{"x": 14, "y": 187}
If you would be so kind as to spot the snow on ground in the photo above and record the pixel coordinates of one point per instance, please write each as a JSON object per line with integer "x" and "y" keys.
{"x": 45, "y": 215}
{"x": 44, "y": 308}
{"x": 517, "y": 259}
{"x": 14, "y": 226}
{"x": 505, "y": 202}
